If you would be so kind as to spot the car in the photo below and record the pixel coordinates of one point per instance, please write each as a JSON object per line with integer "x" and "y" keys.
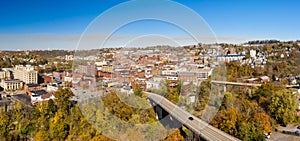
{"x": 268, "y": 136}
{"x": 191, "y": 118}
{"x": 297, "y": 132}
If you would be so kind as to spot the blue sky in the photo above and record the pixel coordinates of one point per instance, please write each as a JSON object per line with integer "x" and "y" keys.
{"x": 41, "y": 24}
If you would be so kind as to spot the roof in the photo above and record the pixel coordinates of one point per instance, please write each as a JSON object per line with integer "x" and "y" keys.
{"x": 32, "y": 85}
{"x": 39, "y": 92}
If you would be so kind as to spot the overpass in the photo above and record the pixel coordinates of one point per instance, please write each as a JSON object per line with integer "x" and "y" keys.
{"x": 246, "y": 84}
{"x": 198, "y": 126}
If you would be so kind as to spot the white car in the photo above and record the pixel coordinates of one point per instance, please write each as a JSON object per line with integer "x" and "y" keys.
{"x": 267, "y": 135}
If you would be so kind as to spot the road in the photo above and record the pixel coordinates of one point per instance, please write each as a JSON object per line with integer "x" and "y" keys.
{"x": 198, "y": 126}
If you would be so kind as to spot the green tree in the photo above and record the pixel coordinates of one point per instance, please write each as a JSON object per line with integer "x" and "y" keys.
{"x": 42, "y": 135}
{"x": 283, "y": 106}
{"x": 58, "y": 127}
{"x": 203, "y": 95}
{"x": 62, "y": 98}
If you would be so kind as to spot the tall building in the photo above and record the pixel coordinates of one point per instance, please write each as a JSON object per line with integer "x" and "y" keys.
{"x": 26, "y": 74}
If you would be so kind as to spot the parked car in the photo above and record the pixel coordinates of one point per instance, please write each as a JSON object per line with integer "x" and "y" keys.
{"x": 267, "y": 135}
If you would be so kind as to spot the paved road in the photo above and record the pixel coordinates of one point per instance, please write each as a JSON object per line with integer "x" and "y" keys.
{"x": 283, "y": 137}
{"x": 197, "y": 125}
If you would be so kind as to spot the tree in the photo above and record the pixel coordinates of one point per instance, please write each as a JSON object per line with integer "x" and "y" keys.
{"x": 174, "y": 136}
{"x": 62, "y": 98}
{"x": 266, "y": 90}
{"x": 283, "y": 107}
{"x": 42, "y": 135}
{"x": 203, "y": 95}
{"x": 4, "y": 124}
{"x": 248, "y": 131}
{"x": 137, "y": 90}
{"x": 58, "y": 127}
{"x": 262, "y": 121}
{"x": 226, "y": 120}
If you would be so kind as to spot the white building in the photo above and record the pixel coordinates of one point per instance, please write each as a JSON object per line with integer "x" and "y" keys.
{"x": 230, "y": 57}
{"x": 169, "y": 72}
{"x": 40, "y": 96}
{"x": 52, "y": 87}
{"x": 172, "y": 78}
{"x": 11, "y": 84}
{"x": 69, "y": 57}
{"x": 253, "y": 53}
{"x": 2, "y": 74}
{"x": 152, "y": 85}
{"x": 26, "y": 74}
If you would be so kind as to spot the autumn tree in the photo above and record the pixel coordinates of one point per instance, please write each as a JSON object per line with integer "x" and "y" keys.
{"x": 174, "y": 136}
{"x": 203, "y": 95}
{"x": 62, "y": 98}
{"x": 283, "y": 106}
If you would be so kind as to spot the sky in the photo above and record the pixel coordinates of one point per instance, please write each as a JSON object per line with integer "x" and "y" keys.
{"x": 58, "y": 24}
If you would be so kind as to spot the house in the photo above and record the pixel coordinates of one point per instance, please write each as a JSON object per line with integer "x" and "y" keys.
{"x": 264, "y": 79}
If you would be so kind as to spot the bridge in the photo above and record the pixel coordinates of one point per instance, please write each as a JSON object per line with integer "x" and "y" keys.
{"x": 196, "y": 125}
{"x": 246, "y": 84}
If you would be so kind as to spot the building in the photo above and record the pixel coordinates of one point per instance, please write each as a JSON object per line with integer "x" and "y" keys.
{"x": 186, "y": 76}
{"x": 39, "y": 96}
{"x": 27, "y": 74}
{"x": 11, "y": 84}
{"x": 152, "y": 85}
{"x": 170, "y": 72}
{"x": 6, "y": 73}
{"x": 2, "y": 75}
{"x": 52, "y": 87}
{"x": 253, "y": 53}
{"x": 45, "y": 79}
{"x": 107, "y": 68}
{"x": 69, "y": 57}
{"x": 88, "y": 70}
{"x": 194, "y": 76}
{"x": 31, "y": 87}
{"x": 230, "y": 57}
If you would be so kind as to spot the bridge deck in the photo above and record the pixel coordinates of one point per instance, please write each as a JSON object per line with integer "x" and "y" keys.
{"x": 197, "y": 125}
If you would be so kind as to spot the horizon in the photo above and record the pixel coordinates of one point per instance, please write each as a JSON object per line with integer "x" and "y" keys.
{"x": 62, "y": 49}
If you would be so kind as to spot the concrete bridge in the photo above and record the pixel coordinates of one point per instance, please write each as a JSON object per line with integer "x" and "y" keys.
{"x": 245, "y": 84}
{"x": 196, "y": 125}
